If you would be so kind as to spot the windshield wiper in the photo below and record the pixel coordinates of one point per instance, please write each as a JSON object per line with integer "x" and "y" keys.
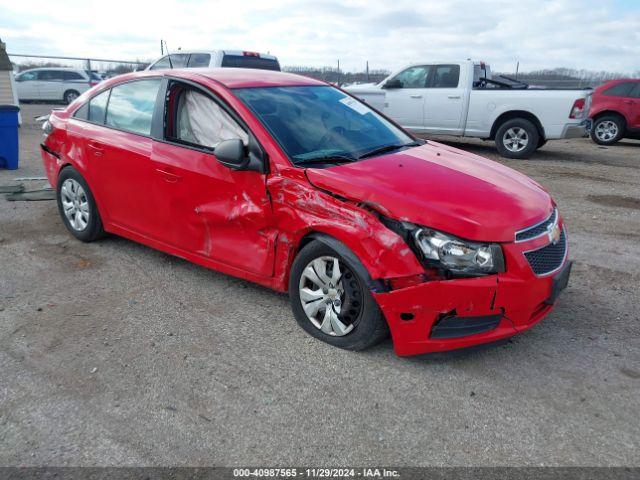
{"x": 385, "y": 149}
{"x": 327, "y": 159}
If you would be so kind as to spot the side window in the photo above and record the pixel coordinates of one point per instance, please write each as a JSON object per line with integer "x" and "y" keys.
{"x": 50, "y": 75}
{"x": 179, "y": 60}
{"x": 199, "y": 60}
{"x": 161, "y": 64}
{"x": 72, "y": 76}
{"x": 619, "y": 90}
{"x": 26, "y": 77}
{"x": 445, "y": 76}
{"x": 201, "y": 121}
{"x": 635, "y": 93}
{"x": 83, "y": 112}
{"x": 131, "y": 106}
{"x": 98, "y": 107}
{"x": 413, "y": 77}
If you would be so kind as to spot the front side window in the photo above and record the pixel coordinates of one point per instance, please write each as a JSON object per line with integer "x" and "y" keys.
{"x": 445, "y": 76}
{"x": 315, "y": 122}
{"x": 161, "y": 64}
{"x": 620, "y": 90}
{"x": 414, "y": 77}
{"x": 131, "y": 106}
{"x": 26, "y": 77}
{"x": 199, "y": 60}
{"x": 635, "y": 93}
{"x": 201, "y": 121}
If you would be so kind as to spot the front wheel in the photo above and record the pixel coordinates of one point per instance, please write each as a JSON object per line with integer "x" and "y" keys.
{"x": 331, "y": 300}
{"x": 607, "y": 130}
{"x": 517, "y": 138}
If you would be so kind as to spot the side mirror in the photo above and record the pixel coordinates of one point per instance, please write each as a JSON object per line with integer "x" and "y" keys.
{"x": 19, "y": 78}
{"x": 233, "y": 154}
{"x": 393, "y": 83}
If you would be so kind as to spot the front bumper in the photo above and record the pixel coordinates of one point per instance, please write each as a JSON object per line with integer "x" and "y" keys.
{"x": 443, "y": 315}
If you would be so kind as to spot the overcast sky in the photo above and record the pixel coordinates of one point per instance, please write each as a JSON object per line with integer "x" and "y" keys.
{"x": 595, "y": 35}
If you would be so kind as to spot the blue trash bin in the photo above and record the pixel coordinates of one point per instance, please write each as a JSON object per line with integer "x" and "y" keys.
{"x": 9, "y": 136}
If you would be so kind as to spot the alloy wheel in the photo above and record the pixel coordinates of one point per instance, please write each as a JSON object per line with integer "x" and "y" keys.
{"x": 75, "y": 204}
{"x": 515, "y": 139}
{"x": 606, "y": 131}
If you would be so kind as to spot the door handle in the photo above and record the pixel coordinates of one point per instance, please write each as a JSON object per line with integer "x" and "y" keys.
{"x": 416, "y": 96}
{"x": 453, "y": 97}
{"x": 168, "y": 176}
{"x": 98, "y": 150}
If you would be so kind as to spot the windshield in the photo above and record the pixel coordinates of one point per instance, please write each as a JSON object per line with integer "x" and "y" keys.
{"x": 314, "y": 122}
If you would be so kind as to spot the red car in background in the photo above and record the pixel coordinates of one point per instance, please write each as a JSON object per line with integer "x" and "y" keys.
{"x": 294, "y": 184}
{"x": 615, "y": 111}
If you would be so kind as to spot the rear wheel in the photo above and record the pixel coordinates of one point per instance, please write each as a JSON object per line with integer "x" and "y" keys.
{"x": 331, "y": 300}
{"x": 517, "y": 138}
{"x": 77, "y": 206}
{"x": 607, "y": 130}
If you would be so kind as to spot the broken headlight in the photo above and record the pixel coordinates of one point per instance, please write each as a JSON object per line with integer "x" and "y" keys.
{"x": 456, "y": 255}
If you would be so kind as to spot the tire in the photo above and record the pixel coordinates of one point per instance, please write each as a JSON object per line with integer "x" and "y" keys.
{"x": 353, "y": 305}
{"x": 70, "y": 95}
{"x": 77, "y": 207}
{"x": 607, "y": 130}
{"x": 517, "y": 138}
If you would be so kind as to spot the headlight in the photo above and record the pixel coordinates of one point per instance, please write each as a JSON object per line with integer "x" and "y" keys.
{"x": 457, "y": 255}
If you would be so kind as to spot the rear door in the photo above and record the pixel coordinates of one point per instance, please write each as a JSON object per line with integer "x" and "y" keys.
{"x": 444, "y": 100}
{"x": 118, "y": 146}
{"x": 51, "y": 84}
{"x": 405, "y": 96}
{"x": 631, "y": 106}
{"x": 206, "y": 208}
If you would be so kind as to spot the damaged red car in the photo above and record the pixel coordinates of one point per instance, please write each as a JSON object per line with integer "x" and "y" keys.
{"x": 291, "y": 183}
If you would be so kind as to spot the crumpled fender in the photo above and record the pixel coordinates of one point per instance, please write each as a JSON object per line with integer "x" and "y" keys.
{"x": 301, "y": 209}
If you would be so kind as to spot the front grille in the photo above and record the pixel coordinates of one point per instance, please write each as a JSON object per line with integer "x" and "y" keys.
{"x": 549, "y": 258}
{"x": 538, "y": 229}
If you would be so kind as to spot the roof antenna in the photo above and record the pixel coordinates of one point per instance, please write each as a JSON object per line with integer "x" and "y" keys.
{"x": 169, "y": 54}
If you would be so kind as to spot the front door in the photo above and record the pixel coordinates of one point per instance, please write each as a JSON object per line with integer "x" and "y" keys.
{"x": 631, "y": 106}
{"x": 405, "y": 97}
{"x": 206, "y": 208}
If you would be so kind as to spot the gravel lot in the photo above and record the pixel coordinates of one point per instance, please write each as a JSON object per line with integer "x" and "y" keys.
{"x": 115, "y": 354}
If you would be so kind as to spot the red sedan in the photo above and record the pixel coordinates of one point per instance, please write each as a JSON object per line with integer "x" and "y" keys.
{"x": 292, "y": 183}
{"x": 615, "y": 111}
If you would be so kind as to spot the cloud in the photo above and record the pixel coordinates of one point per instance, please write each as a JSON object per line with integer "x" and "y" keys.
{"x": 595, "y": 35}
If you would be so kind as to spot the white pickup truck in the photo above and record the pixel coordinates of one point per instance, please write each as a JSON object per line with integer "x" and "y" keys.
{"x": 463, "y": 99}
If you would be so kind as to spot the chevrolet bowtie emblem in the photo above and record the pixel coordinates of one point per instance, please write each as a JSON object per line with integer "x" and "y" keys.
{"x": 554, "y": 233}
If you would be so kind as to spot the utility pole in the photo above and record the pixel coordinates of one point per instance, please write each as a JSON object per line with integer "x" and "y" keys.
{"x": 367, "y": 71}
{"x": 161, "y": 48}
{"x": 517, "y": 68}
{"x": 338, "y": 76}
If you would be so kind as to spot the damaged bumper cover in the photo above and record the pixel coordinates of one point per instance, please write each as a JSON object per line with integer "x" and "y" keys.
{"x": 451, "y": 314}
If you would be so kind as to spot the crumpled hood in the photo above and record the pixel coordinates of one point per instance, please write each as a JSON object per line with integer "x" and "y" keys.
{"x": 443, "y": 188}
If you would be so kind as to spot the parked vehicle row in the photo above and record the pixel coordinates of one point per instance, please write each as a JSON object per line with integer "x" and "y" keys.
{"x": 296, "y": 185}
{"x": 463, "y": 99}
{"x": 54, "y": 84}
{"x": 216, "y": 59}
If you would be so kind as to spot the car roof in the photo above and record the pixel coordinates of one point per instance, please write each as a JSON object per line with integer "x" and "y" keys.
{"x": 229, "y": 77}
{"x": 65, "y": 69}
{"x": 213, "y": 52}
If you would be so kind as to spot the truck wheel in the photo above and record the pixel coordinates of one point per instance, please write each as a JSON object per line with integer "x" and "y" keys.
{"x": 607, "y": 130}
{"x": 517, "y": 138}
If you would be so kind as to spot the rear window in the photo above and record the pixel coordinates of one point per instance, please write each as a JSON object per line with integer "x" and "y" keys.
{"x": 620, "y": 90}
{"x": 247, "y": 61}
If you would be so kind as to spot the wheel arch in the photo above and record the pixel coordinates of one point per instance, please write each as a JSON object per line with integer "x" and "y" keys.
{"x": 512, "y": 115}
{"x": 614, "y": 113}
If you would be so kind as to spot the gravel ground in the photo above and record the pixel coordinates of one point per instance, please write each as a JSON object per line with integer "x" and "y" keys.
{"x": 115, "y": 354}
